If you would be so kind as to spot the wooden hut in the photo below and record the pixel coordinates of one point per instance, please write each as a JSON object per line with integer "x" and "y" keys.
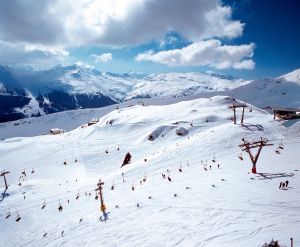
{"x": 286, "y": 113}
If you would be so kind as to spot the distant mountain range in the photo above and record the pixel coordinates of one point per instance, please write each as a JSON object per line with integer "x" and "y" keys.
{"x": 25, "y": 92}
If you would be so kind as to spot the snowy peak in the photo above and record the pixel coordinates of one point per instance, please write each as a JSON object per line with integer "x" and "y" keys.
{"x": 170, "y": 85}
{"x": 293, "y": 76}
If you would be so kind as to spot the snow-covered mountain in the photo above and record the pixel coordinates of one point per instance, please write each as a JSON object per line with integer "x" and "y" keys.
{"x": 27, "y": 92}
{"x": 201, "y": 202}
{"x": 282, "y": 91}
{"x": 171, "y": 85}
{"x": 72, "y": 87}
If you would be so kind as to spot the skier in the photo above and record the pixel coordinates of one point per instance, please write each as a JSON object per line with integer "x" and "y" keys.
{"x": 280, "y": 185}
{"x": 286, "y": 183}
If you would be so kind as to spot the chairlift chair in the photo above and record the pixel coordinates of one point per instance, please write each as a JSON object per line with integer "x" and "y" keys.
{"x": 180, "y": 168}
{"x": 18, "y": 217}
{"x": 214, "y": 158}
{"x": 8, "y": 214}
{"x": 241, "y": 156}
{"x": 113, "y": 186}
{"x": 44, "y": 204}
{"x": 60, "y": 207}
{"x": 280, "y": 146}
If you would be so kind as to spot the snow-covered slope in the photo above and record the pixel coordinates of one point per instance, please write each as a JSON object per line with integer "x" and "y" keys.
{"x": 204, "y": 205}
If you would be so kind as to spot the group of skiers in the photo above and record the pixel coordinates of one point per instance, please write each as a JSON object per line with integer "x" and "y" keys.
{"x": 283, "y": 185}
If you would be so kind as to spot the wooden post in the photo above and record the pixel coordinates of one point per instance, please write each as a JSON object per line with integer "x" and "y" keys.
{"x": 233, "y": 107}
{"x": 292, "y": 242}
{"x": 234, "y": 115}
{"x": 242, "y": 120}
{"x": 2, "y": 174}
{"x": 102, "y": 205}
{"x": 247, "y": 146}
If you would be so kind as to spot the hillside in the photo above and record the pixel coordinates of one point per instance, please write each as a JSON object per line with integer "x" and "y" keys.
{"x": 203, "y": 205}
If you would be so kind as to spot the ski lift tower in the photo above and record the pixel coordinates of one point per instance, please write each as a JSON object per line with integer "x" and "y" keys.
{"x": 102, "y": 205}
{"x": 2, "y": 174}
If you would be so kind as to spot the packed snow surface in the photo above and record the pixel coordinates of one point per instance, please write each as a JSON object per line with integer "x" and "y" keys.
{"x": 204, "y": 205}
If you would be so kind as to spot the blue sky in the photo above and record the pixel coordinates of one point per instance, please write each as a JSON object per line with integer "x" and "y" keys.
{"x": 245, "y": 38}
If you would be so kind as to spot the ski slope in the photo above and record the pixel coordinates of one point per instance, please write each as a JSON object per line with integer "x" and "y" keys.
{"x": 225, "y": 206}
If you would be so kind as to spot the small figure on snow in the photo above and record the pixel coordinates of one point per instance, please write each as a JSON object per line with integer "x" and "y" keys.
{"x": 280, "y": 185}
{"x": 24, "y": 173}
{"x": 286, "y": 183}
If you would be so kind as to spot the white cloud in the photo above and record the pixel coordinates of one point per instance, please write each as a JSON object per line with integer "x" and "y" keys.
{"x": 113, "y": 22}
{"x": 103, "y": 58}
{"x": 205, "y": 53}
{"x": 47, "y": 28}
{"x": 49, "y": 51}
{"x": 39, "y": 56}
{"x": 84, "y": 65}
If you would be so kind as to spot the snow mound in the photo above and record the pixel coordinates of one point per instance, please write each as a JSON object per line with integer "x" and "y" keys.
{"x": 160, "y": 131}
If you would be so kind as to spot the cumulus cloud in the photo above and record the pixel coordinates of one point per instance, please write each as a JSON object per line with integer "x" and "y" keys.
{"x": 205, "y": 53}
{"x": 103, "y": 58}
{"x": 113, "y": 22}
{"x": 40, "y": 56}
{"x": 48, "y": 28}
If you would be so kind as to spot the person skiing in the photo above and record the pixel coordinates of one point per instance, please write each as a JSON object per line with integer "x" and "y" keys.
{"x": 286, "y": 183}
